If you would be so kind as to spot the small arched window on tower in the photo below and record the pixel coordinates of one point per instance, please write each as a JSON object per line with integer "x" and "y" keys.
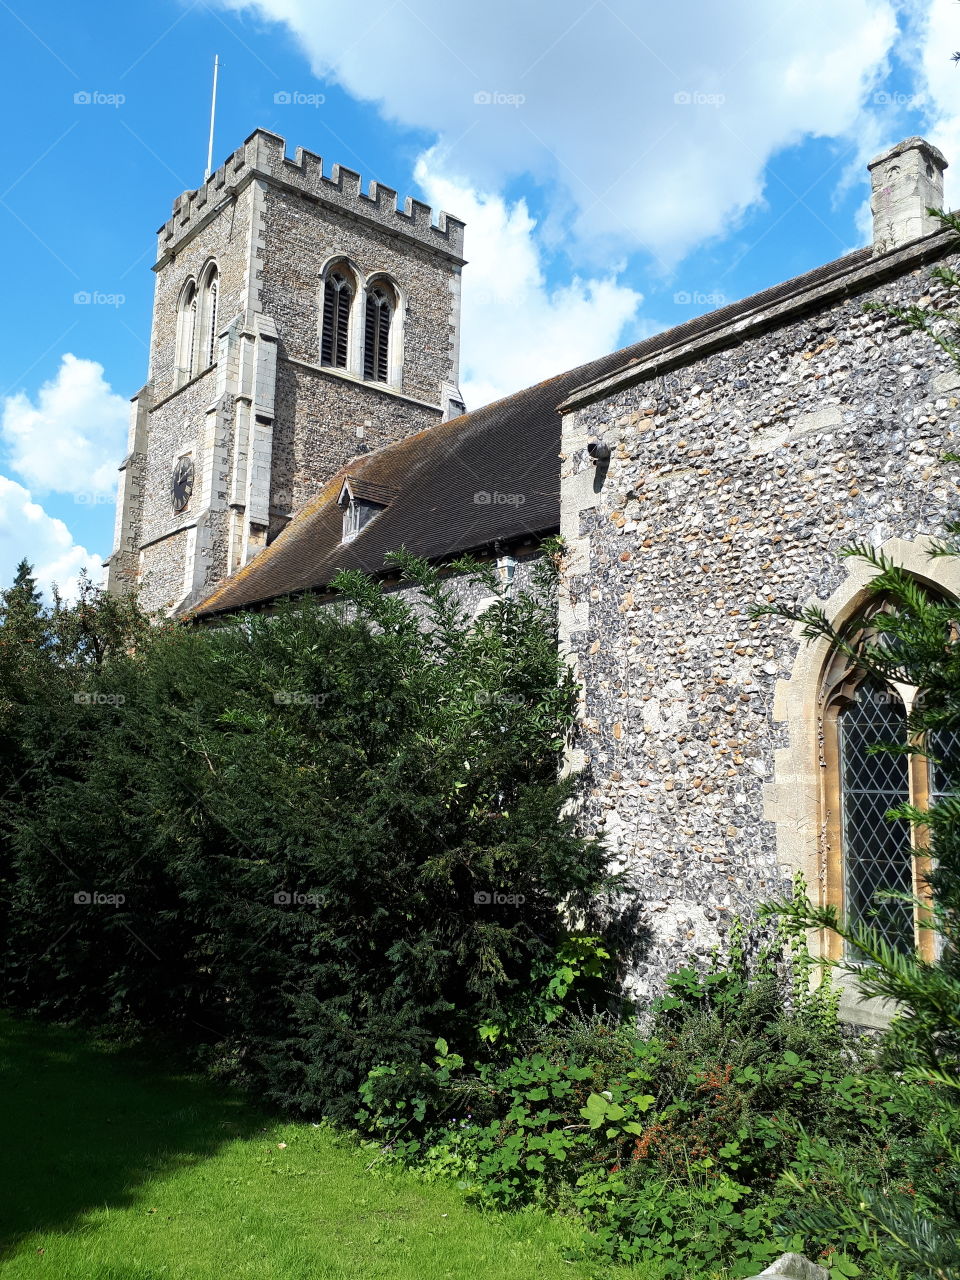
{"x": 186, "y": 333}
{"x": 378, "y": 322}
{"x": 338, "y": 294}
{"x": 209, "y": 302}
{"x": 868, "y": 855}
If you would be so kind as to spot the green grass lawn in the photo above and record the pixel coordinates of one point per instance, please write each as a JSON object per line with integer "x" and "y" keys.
{"x": 116, "y": 1167}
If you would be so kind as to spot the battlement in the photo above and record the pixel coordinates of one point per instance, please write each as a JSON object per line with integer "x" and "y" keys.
{"x": 263, "y": 156}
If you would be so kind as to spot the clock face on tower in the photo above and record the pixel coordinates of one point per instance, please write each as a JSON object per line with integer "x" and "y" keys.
{"x": 181, "y": 484}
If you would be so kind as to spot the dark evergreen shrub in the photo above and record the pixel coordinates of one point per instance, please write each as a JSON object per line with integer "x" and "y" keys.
{"x": 320, "y": 838}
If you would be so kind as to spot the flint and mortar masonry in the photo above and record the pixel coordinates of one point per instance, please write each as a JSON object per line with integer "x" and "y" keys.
{"x": 267, "y": 426}
{"x": 735, "y": 479}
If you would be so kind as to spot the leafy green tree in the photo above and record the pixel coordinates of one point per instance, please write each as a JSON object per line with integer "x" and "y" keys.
{"x": 48, "y": 656}
{"x": 21, "y": 607}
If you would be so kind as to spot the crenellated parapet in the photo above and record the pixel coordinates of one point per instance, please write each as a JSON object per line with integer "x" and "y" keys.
{"x": 263, "y": 157}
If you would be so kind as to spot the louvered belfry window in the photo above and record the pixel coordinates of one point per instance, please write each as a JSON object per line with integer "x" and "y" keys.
{"x": 337, "y": 297}
{"x": 877, "y": 852}
{"x": 190, "y": 332}
{"x": 376, "y": 345}
{"x": 214, "y": 287}
{"x": 186, "y": 328}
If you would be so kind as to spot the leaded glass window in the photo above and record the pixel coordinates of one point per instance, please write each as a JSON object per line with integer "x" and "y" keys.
{"x": 877, "y": 852}
{"x": 866, "y": 855}
{"x": 944, "y": 748}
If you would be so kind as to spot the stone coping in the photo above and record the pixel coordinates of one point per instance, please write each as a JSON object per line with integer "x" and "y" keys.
{"x": 762, "y": 311}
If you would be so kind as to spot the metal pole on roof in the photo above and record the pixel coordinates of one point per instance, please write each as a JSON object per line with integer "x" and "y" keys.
{"x": 213, "y": 113}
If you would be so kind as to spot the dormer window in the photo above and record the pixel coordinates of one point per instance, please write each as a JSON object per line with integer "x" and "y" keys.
{"x": 356, "y": 514}
{"x": 361, "y": 502}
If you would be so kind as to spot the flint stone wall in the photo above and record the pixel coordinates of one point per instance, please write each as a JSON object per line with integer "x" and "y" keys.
{"x": 224, "y": 239}
{"x": 162, "y": 571}
{"x": 298, "y": 238}
{"x": 735, "y": 479}
{"x": 272, "y": 224}
{"x": 472, "y": 595}
{"x": 323, "y": 421}
{"x": 178, "y": 426}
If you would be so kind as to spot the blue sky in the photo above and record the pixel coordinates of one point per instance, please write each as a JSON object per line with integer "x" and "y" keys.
{"x": 621, "y": 167}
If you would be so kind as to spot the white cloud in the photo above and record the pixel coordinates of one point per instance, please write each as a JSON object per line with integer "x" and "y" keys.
{"x": 651, "y": 124}
{"x": 71, "y": 440}
{"x": 28, "y": 532}
{"x": 936, "y": 35}
{"x": 516, "y": 330}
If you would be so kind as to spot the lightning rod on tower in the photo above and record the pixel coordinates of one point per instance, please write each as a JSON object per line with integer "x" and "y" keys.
{"x": 213, "y": 113}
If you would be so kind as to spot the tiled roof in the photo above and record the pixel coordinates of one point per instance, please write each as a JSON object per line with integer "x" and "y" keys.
{"x": 486, "y": 476}
{"x": 364, "y": 489}
{"x": 490, "y": 475}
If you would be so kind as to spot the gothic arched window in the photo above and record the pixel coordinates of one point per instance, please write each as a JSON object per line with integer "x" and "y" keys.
{"x": 209, "y": 300}
{"x": 877, "y": 853}
{"x": 868, "y": 854}
{"x": 186, "y": 332}
{"x": 380, "y": 307}
{"x": 338, "y": 293}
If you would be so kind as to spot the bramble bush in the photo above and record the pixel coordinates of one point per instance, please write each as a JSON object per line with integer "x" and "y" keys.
{"x": 676, "y": 1146}
{"x": 697, "y": 1146}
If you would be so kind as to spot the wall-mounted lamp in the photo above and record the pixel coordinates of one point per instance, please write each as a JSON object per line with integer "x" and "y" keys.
{"x": 598, "y": 451}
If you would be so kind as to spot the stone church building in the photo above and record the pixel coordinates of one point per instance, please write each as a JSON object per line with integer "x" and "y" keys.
{"x": 301, "y": 415}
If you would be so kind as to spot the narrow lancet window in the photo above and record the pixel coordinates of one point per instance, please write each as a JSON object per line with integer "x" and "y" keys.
{"x": 877, "y": 852}
{"x": 209, "y": 299}
{"x": 337, "y": 298}
{"x": 376, "y": 346}
{"x": 186, "y": 333}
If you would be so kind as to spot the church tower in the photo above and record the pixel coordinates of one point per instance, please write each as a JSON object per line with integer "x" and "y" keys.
{"x": 297, "y": 322}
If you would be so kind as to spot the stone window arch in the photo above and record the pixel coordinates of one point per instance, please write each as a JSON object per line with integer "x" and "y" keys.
{"x": 184, "y": 361}
{"x": 339, "y": 292}
{"x": 865, "y": 853}
{"x": 380, "y": 331}
{"x": 801, "y": 799}
{"x": 206, "y": 341}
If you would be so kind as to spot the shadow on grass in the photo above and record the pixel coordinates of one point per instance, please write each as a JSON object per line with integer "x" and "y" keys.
{"x": 86, "y": 1124}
